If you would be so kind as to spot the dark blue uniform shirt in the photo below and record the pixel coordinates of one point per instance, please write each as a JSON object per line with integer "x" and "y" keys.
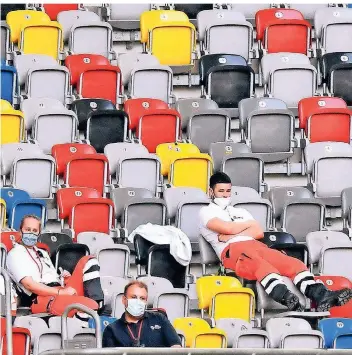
{"x": 156, "y": 332}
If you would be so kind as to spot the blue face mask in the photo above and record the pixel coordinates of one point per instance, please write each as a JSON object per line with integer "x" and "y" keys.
{"x": 29, "y": 239}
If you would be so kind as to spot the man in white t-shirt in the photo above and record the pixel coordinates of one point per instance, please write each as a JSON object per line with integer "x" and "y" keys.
{"x": 235, "y": 235}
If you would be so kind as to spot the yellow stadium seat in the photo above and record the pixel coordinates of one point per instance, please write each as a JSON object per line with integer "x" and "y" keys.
{"x": 12, "y": 126}
{"x": 168, "y": 152}
{"x": 191, "y": 170}
{"x": 151, "y": 19}
{"x": 2, "y": 212}
{"x": 5, "y": 105}
{"x": 16, "y": 20}
{"x": 212, "y": 339}
{"x": 42, "y": 38}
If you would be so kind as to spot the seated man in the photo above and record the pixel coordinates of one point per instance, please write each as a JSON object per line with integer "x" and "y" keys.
{"x": 138, "y": 328}
{"x": 35, "y": 275}
{"x": 235, "y": 235}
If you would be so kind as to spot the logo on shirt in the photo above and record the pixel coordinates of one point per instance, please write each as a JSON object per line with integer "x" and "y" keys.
{"x": 155, "y": 327}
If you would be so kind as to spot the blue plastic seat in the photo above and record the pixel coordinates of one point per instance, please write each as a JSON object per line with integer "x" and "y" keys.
{"x": 343, "y": 341}
{"x": 104, "y": 322}
{"x": 22, "y": 208}
{"x": 11, "y": 195}
{"x": 8, "y": 82}
{"x": 333, "y": 328}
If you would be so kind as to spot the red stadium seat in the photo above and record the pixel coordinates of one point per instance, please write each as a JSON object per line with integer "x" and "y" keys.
{"x": 70, "y": 196}
{"x": 21, "y": 339}
{"x": 78, "y": 63}
{"x": 8, "y": 237}
{"x": 101, "y": 82}
{"x": 329, "y": 125}
{"x": 158, "y": 126}
{"x": 344, "y": 311}
{"x": 310, "y": 105}
{"x": 92, "y": 215}
{"x": 62, "y": 153}
{"x": 52, "y": 10}
{"x": 136, "y": 108}
{"x": 90, "y": 170}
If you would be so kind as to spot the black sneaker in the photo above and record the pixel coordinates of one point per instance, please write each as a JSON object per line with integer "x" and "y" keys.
{"x": 291, "y": 301}
{"x": 334, "y": 299}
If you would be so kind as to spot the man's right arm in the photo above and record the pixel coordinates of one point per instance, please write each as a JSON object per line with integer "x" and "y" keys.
{"x": 42, "y": 290}
{"x": 229, "y": 228}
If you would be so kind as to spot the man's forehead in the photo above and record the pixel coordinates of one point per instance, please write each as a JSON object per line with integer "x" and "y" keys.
{"x": 223, "y": 186}
{"x": 29, "y": 221}
{"x": 136, "y": 290}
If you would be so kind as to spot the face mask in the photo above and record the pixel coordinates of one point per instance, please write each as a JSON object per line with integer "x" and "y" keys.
{"x": 135, "y": 307}
{"x": 222, "y": 202}
{"x": 29, "y": 239}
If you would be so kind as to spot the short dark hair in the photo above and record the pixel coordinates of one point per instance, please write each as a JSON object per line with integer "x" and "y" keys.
{"x": 31, "y": 216}
{"x": 135, "y": 283}
{"x": 219, "y": 178}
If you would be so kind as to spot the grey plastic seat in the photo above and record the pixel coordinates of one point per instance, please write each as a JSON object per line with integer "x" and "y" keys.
{"x": 222, "y": 150}
{"x": 151, "y": 81}
{"x": 5, "y": 41}
{"x": 25, "y": 62}
{"x": 240, "y": 193}
{"x": 69, "y": 18}
{"x": 150, "y": 179}
{"x": 175, "y": 303}
{"x": 308, "y": 10}
{"x": 289, "y": 77}
{"x": 333, "y": 28}
{"x": 32, "y": 107}
{"x": 346, "y": 206}
{"x": 249, "y": 10}
{"x": 47, "y": 341}
{"x": 95, "y": 241}
{"x": 215, "y": 25}
{"x": 74, "y": 327}
{"x": 156, "y": 286}
{"x": 210, "y": 126}
{"x": 100, "y": 39}
{"x": 128, "y": 61}
{"x": 207, "y": 254}
{"x": 50, "y": 82}
{"x": 54, "y": 127}
{"x": 114, "y": 260}
{"x": 293, "y": 333}
{"x": 35, "y": 325}
{"x": 117, "y": 151}
{"x": 117, "y": 306}
{"x": 189, "y": 107}
{"x": 111, "y": 286}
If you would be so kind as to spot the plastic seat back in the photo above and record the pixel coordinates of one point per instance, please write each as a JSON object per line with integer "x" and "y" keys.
{"x": 68, "y": 255}
{"x": 340, "y": 82}
{"x": 213, "y": 339}
{"x": 12, "y": 126}
{"x": 52, "y": 10}
{"x": 191, "y": 327}
{"x": 8, "y": 83}
{"x": 8, "y": 238}
{"x": 332, "y": 328}
{"x": 5, "y": 105}
{"x": 54, "y": 240}
{"x": 329, "y": 60}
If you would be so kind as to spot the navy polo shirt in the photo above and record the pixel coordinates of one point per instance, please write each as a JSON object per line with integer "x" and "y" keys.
{"x": 156, "y": 332}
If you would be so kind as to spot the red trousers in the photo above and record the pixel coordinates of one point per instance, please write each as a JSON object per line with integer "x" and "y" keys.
{"x": 253, "y": 260}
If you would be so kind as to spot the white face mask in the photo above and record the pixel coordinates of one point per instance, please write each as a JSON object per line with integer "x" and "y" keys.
{"x": 135, "y": 307}
{"x": 222, "y": 202}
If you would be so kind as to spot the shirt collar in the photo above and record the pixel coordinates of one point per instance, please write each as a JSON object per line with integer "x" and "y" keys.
{"x": 123, "y": 317}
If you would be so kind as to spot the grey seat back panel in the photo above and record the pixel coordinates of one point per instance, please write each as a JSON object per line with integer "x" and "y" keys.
{"x": 117, "y": 306}
{"x": 175, "y": 304}
{"x": 231, "y": 327}
{"x": 249, "y": 10}
{"x": 114, "y": 261}
{"x": 207, "y": 253}
{"x": 308, "y": 10}
{"x": 5, "y": 39}
{"x": 111, "y": 285}
{"x": 95, "y": 241}
{"x": 328, "y": 264}
{"x": 255, "y": 339}
{"x": 338, "y": 38}
{"x": 312, "y": 339}
{"x": 47, "y": 341}
{"x": 35, "y": 325}
{"x": 125, "y": 16}
{"x": 240, "y": 193}
{"x": 156, "y": 286}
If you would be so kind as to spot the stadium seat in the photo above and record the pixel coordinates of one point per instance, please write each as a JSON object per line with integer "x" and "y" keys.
{"x": 10, "y": 195}
{"x": 106, "y": 127}
{"x": 8, "y": 238}
{"x": 12, "y": 126}
{"x": 62, "y": 153}
{"x": 271, "y": 238}
{"x": 112, "y": 286}
{"x": 49, "y": 82}
{"x": 35, "y": 325}
{"x": 54, "y": 126}
{"x": 6, "y": 49}
{"x": 215, "y": 25}
{"x": 2, "y": 213}
{"x": 95, "y": 241}
{"x": 54, "y": 240}
{"x": 79, "y": 63}
{"x": 201, "y": 166}
{"x": 68, "y": 18}
{"x": 9, "y": 83}
{"x": 307, "y": 10}
{"x": 334, "y": 283}
{"x": 249, "y": 10}
{"x": 245, "y": 170}
{"x": 100, "y": 35}
{"x": 18, "y": 18}
{"x": 333, "y": 29}
{"x": 168, "y": 152}
{"x": 346, "y": 207}
{"x": 5, "y": 105}
{"x": 240, "y": 193}
{"x": 329, "y": 255}
{"x": 207, "y": 255}
{"x": 78, "y": 166}
{"x": 150, "y": 165}
{"x": 114, "y": 260}
{"x": 293, "y": 333}
{"x": 156, "y": 286}
{"x": 53, "y": 10}
{"x": 278, "y": 69}
{"x": 283, "y": 30}
{"x": 332, "y": 328}
{"x": 83, "y": 107}
{"x": 32, "y": 107}
{"x": 343, "y": 341}
{"x": 51, "y": 39}
{"x": 142, "y": 76}
{"x": 158, "y": 126}
{"x": 101, "y": 81}
{"x": 136, "y": 108}
{"x": 21, "y": 340}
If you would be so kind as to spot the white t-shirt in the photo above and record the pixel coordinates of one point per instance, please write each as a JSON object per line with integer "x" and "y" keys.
{"x": 22, "y": 262}
{"x": 227, "y": 215}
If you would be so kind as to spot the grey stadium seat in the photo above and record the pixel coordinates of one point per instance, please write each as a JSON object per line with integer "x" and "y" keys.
{"x": 308, "y": 10}
{"x": 31, "y": 107}
{"x": 5, "y": 41}
{"x": 346, "y": 206}
{"x": 69, "y": 18}
{"x": 207, "y": 254}
{"x": 249, "y": 10}
{"x": 95, "y": 241}
{"x": 293, "y": 333}
{"x": 100, "y": 39}
{"x": 25, "y": 62}
{"x": 240, "y": 193}
{"x": 151, "y": 81}
{"x": 189, "y": 107}
{"x": 222, "y": 150}
{"x": 49, "y": 340}
{"x": 209, "y": 126}
{"x": 156, "y": 286}
{"x": 215, "y": 25}
{"x": 112, "y": 285}
{"x": 289, "y": 77}
{"x": 35, "y": 325}
{"x": 54, "y": 126}
{"x": 128, "y": 61}
{"x": 114, "y": 260}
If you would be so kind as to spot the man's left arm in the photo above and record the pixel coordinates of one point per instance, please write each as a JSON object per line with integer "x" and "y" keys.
{"x": 170, "y": 334}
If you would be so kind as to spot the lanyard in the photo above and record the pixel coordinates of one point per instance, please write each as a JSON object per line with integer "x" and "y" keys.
{"x": 136, "y": 340}
{"x": 40, "y": 265}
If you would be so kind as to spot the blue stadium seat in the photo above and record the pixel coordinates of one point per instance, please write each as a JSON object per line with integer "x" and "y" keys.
{"x": 104, "y": 322}
{"x": 349, "y": 5}
{"x": 334, "y": 327}
{"x": 8, "y": 82}
{"x": 11, "y": 195}
{"x": 343, "y": 341}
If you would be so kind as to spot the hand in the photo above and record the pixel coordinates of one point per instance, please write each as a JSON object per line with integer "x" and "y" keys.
{"x": 65, "y": 274}
{"x": 67, "y": 291}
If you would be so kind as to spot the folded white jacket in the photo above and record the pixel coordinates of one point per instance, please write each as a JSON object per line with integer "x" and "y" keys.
{"x": 180, "y": 246}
